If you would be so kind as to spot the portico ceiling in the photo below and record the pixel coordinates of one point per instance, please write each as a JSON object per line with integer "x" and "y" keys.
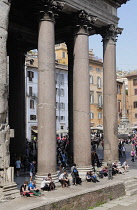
{"x": 23, "y": 19}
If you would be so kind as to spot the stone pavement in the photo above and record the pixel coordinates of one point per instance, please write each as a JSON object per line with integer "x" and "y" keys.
{"x": 122, "y": 203}
{"x": 24, "y": 203}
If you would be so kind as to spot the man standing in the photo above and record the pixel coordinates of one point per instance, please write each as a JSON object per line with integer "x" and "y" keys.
{"x": 74, "y": 173}
{"x": 109, "y": 165}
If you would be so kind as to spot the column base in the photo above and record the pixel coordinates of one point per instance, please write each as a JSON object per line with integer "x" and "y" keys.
{"x": 39, "y": 179}
{"x": 83, "y": 171}
{"x": 9, "y": 191}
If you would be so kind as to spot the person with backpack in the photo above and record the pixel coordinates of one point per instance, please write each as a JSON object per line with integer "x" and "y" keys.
{"x": 74, "y": 174}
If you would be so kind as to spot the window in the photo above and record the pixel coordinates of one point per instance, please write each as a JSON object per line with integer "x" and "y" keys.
{"x": 98, "y": 70}
{"x": 90, "y": 68}
{"x": 98, "y": 82}
{"x": 62, "y": 106}
{"x": 92, "y": 98}
{"x": 31, "y": 62}
{"x": 32, "y": 117}
{"x": 57, "y": 105}
{"x": 56, "y": 117}
{"x": 92, "y": 115}
{"x": 135, "y": 91}
{"x": 135, "y": 104}
{"x": 62, "y": 118}
{"x": 61, "y": 92}
{"x": 91, "y": 79}
{"x": 118, "y": 89}
{"x": 31, "y": 104}
{"x": 135, "y": 115}
{"x": 62, "y": 127}
{"x": 134, "y": 82}
{"x": 99, "y": 115}
{"x": 60, "y": 79}
{"x": 119, "y": 105}
{"x": 99, "y": 100}
{"x": 56, "y": 91}
{"x": 63, "y": 54}
{"x": 30, "y": 75}
{"x": 30, "y": 91}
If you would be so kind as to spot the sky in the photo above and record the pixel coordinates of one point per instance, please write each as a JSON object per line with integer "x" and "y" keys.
{"x": 126, "y": 50}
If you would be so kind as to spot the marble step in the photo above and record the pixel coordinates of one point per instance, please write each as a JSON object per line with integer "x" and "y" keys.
{"x": 131, "y": 192}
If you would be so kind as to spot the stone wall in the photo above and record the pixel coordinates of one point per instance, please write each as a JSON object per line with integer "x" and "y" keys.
{"x": 87, "y": 200}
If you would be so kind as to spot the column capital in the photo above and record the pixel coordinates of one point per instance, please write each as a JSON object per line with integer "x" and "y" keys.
{"x": 110, "y": 32}
{"x": 83, "y": 22}
{"x": 48, "y": 9}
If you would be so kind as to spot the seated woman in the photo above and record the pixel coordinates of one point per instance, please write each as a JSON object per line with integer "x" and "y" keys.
{"x": 24, "y": 189}
{"x": 104, "y": 171}
{"x": 32, "y": 188}
{"x": 50, "y": 182}
{"x": 91, "y": 177}
{"x": 44, "y": 185}
{"x": 63, "y": 179}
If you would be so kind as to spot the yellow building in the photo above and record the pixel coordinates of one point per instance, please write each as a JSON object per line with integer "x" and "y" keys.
{"x": 96, "y": 90}
{"x": 61, "y": 55}
{"x": 132, "y": 98}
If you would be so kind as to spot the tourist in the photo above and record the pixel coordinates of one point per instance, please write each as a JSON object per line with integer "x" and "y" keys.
{"x": 44, "y": 185}
{"x": 50, "y": 182}
{"x": 109, "y": 166}
{"x": 90, "y": 176}
{"x": 125, "y": 166}
{"x": 32, "y": 169}
{"x": 74, "y": 173}
{"x": 32, "y": 188}
{"x": 133, "y": 154}
{"x": 24, "y": 189}
{"x": 18, "y": 166}
{"x": 63, "y": 179}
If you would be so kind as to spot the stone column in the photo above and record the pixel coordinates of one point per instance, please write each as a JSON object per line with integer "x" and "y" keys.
{"x": 6, "y": 181}
{"x": 81, "y": 94}
{"x": 110, "y": 121}
{"x": 46, "y": 92}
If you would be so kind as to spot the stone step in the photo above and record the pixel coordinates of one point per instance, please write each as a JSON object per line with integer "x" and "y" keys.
{"x": 132, "y": 186}
{"x": 12, "y": 193}
{"x": 131, "y": 192}
{"x": 9, "y": 189}
{"x": 130, "y": 182}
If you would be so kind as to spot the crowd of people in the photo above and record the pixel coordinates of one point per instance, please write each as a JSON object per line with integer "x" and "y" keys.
{"x": 109, "y": 170}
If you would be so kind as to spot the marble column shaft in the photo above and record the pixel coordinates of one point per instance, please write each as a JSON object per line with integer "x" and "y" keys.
{"x": 4, "y": 12}
{"x": 46, "y": 98}
{"x": 81, "y": 100}
{"x": 110, "y": 122}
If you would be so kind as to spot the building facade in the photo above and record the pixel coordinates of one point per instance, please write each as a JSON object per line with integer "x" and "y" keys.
{"x": 132, "y": 98}
{"x": 31, "y": 79}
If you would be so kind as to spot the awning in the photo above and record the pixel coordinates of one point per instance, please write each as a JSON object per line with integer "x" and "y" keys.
{"x": 97, "y": 128}
{"x": 61, "y": 131}
{"x": 35, "y": 131}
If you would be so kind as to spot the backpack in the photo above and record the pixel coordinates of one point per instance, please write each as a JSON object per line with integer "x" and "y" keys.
{"x": 75, "y": 171}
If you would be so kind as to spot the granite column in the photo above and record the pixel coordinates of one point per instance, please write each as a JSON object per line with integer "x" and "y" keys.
{"x": 110, "y": 121}
{"x": 81, "y": 96}
{"x": 47, "y": 92}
